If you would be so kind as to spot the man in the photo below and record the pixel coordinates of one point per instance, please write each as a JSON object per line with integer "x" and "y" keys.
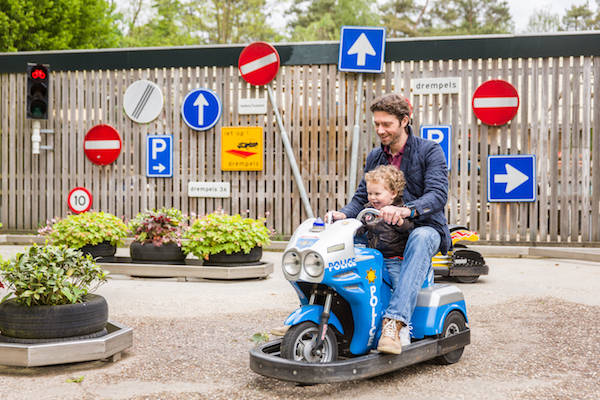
{"x": 425, "y": 196}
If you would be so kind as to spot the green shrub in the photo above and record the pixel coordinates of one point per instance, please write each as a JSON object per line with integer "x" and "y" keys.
{"x": 78, "y": 230}
{"x": 159, "y": 227}
{"x": 219, "y": 232}
{"x": 50, "y": 275}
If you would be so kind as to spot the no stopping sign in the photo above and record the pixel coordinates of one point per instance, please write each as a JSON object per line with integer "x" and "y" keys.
{"x": 79, "y": 200}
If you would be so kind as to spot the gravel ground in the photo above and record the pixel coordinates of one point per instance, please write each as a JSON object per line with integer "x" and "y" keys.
{"x": 530, "y": 340}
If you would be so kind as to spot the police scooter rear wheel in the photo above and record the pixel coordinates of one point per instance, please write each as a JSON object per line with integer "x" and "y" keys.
{"x": 299, "y": 342}
{"x": 454, "y": 323}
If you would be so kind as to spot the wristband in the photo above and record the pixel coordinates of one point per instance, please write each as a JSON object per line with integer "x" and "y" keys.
{"x": 412, "y": 213}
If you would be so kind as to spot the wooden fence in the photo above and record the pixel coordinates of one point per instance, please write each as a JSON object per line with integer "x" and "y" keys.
{"x": 558, "y": 121}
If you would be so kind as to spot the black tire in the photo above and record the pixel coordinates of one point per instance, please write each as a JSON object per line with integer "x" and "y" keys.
{"x": 466, "y": 279}
{"x": 49, "y": 322}
{"x": 104, "y": 249}
{"x": 298, "y": 341}
{"x": 224, "y": 259}
{"x": 8, "y": 339}
{"x": 455, "y": 322}
{"x": 149, "y": 252}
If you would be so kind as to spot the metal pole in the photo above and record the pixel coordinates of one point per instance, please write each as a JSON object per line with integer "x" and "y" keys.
{"x": 290, "y": 155}
{"x": 355, "y": 139}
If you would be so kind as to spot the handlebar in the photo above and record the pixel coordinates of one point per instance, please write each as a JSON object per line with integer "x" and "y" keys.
{"x": 370, "y": 210}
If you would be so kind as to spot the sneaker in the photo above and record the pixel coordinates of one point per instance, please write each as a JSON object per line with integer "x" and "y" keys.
{"x": 280, "y": 330}
{"x": 404, "y": 334}
{"x": 389, "y": 341}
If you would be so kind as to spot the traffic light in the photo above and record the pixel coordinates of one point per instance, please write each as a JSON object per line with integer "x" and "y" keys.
{"x": 37, "y": 90}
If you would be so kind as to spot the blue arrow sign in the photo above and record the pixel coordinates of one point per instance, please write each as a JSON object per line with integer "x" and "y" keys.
{"x": 159, "y": 156}
{"x": 361, "y": 49}
{"x": 441, "y": 134}
{"x": 511, "y": 178}
{"x": 201, "y": 109}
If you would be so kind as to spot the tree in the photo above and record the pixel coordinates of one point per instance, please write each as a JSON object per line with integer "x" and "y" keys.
{"x": 403, "y": 17}
{"x": 580, "y": 18}
{"x": 323, "y": 19}
{"x": 57, "y": 24}
{"x": 469, "y": 17}
{"x": 543, "y": 20}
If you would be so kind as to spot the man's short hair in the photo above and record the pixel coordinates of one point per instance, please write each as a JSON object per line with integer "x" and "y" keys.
{"x": 392, "y": 104}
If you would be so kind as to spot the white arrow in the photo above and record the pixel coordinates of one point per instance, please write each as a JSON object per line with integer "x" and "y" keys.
{"x": 160, "y": 168}
{"x": 200, "y": 103}
{"x": 361, "y": 48}
{"x": 513, "y": 178}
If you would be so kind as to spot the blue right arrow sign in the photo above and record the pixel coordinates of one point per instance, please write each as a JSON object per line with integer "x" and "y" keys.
{"x": 511, "y": 178}
{"x": 361, "y": 49}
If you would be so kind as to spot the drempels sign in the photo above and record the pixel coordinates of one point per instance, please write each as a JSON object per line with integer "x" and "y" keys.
{"x": 444, "y": 85}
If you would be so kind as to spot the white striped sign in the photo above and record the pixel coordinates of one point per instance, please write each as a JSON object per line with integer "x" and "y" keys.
{"x": 143, "y": 101}
{"x": 102, "y": 144}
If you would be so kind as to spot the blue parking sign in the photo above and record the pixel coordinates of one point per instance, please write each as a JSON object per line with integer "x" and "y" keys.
{"x": 511, "y": 178}
{"x": 361, "y": 49}
{"x": 441, "y": 134}
{"x": 201, "y": 109}
{"x": 159, "y": 156}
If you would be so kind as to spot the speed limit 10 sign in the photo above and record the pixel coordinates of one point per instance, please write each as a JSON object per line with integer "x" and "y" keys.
{"x": 80, "y": 200}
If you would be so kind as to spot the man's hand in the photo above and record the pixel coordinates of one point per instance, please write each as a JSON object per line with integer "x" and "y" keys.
{"x": 394, "y": 215}
{"x": 335, "y": 215}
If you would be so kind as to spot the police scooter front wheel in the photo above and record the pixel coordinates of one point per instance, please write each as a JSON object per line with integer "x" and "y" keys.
{"x": 299, "y": 344}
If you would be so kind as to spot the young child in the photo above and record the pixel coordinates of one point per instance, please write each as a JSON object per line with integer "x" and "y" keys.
{"x": 385, "y": 185}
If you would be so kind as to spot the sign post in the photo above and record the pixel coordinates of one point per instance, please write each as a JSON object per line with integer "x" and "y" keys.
{"x": 258, "y": 64}
{"x": 361, "y": 50}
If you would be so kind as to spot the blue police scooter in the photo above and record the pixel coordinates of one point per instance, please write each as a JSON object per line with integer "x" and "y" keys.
{"x": 343, "y": 290}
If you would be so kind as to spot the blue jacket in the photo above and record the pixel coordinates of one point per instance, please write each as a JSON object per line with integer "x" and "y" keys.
{"x": 426, "y": 174}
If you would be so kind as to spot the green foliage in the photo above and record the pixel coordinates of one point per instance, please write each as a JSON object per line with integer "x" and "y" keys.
{"x": 219, "y": 232}
{"x": 468, "y": 17}
{"x": 581, "y": 18}
{"x": 77, "y": 379}
{"x": 260, "y": 337}
{"x": 543, "y": 20}
{"x": 50, "y": 275}
{"x": 57, "y": 25}
{"x": 78, "y": 230}
{"x": 159, "y": 227}
{"x": 403, "y": 17}
{"x": 323, "y": 19}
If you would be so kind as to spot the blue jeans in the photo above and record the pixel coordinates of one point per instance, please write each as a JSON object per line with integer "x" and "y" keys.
{"x": 408, "y": 275}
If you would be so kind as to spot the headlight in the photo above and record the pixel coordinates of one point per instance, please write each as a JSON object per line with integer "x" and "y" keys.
{"x": 313, "y": 264}
{"x": 291, "y": 263}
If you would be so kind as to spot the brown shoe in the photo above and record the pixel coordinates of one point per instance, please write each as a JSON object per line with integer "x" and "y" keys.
{"x": 280, "y": 330}
{"x": 389, "y": 342}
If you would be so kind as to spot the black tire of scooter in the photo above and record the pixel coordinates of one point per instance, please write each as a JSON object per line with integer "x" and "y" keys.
{"x": 288, "y": 350}
{"x": 455, "y": 320}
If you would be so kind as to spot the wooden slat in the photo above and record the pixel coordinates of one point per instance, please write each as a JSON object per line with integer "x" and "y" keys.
{"x": 595, "y": 219}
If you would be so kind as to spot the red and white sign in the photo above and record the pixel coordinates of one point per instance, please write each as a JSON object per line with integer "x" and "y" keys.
{"x": 495, "y": 102}
{"x": 102, "y": 144}
{"x": 258, "y": 63}
{"x": 79, "y": 200}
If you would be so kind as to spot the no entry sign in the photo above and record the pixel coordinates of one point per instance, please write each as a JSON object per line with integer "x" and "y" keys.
{"x": 258, "y": 63}
{"x": 79, "y": 200}
{"x": 495, "y": 102}
{"x": 102, "y": 144}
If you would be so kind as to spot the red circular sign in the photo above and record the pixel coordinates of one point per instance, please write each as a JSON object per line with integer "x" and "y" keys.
{"x": 495, "y": 102}
{"x": 102, "y": 144}
{"x": 79, "y": 200}
{"x": 258, "y": 63}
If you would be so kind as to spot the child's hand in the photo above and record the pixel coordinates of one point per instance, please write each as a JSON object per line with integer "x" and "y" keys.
{"x": 335, "y": 215}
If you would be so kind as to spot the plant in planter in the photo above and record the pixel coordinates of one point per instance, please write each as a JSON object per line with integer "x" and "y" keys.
{"x": 94, "y": 233}
{"x": 50, "y": 296}
{"x": 157, "y": 235}
{"x": 220, "y": 238}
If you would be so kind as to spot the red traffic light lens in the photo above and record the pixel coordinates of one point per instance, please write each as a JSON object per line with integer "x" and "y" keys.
{"x": 38, "y": 73}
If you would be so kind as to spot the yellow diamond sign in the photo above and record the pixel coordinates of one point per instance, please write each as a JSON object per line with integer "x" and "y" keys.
{"x": 242, "y": 148}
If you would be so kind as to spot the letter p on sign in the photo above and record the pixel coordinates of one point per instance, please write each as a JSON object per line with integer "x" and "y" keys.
{"x": 441, "y": 134}
{"x": 158, "y": 146}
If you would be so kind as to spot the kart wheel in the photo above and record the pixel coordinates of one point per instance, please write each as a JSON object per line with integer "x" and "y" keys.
{"x": 466, "y": 279}
{"x": 454, "y": 323}
{"x": 298, "y": 344}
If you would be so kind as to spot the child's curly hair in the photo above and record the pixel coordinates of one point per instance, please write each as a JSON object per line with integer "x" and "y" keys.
{"x": 392, "y": 178}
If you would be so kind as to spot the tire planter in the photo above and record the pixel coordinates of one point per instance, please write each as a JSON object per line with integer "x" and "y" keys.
{"x": 149, "y": 252}
{"x": 239, "y": 257}
{"x": 52, "y": 322}
{"x": 104, "y": 249}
